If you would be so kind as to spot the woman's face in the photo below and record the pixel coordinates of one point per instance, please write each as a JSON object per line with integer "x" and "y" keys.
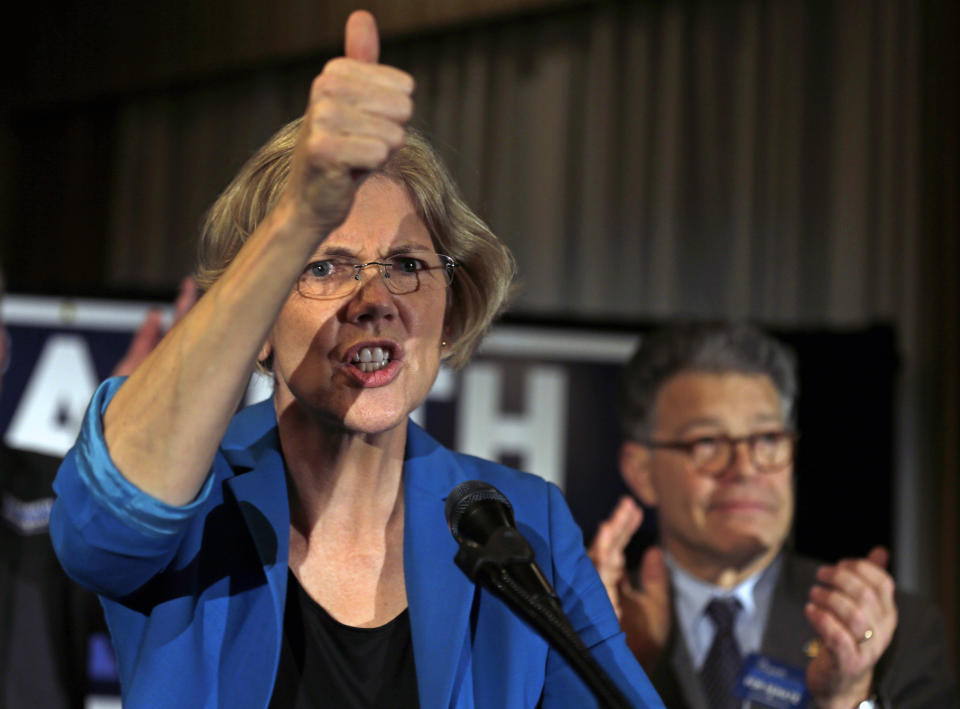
{"x": 315, "y": 342}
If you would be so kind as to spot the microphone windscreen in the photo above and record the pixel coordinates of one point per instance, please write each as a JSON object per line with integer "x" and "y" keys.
{"x": 470, "y": 496}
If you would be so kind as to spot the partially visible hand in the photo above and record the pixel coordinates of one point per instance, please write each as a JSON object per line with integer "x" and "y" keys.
{"x": 151, "y": 331}
{"x": 644, "y": 614}
{"x": 851, "y": 600}
{"x": 355, "y": 118}
{"x": 607, "y": 550}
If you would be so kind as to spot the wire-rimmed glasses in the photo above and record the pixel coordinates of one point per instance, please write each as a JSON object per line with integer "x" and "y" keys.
{"x": 338, "y": 276}
{"x": 770, "y": 451}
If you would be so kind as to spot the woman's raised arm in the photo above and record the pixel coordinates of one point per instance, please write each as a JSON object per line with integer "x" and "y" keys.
{"x": 164, "y": 424}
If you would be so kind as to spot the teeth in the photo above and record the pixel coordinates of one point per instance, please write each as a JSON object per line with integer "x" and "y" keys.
{"x": 370, "y": 359}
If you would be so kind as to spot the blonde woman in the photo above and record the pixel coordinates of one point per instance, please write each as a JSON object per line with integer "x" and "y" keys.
{"x": 296, "y": 555}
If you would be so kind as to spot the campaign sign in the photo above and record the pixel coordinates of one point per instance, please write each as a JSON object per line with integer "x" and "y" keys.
{"x": 58, "y": 351}
{"x": 537, "y": 398}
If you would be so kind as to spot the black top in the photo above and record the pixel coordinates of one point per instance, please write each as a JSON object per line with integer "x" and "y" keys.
{"x": 324, "y": 663}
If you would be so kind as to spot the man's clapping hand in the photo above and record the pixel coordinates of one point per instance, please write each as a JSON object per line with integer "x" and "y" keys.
{"x": 645, "y": 613}
{"x": 852, "y": 609}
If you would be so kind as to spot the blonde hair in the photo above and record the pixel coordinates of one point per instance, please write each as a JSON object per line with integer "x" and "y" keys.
{"x": 482, "y": 283}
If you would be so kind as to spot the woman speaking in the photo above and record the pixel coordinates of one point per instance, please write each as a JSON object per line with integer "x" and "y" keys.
{"x": 296, "y": 554}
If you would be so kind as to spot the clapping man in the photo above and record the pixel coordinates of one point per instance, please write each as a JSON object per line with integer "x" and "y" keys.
{"x": 723, "y": 614}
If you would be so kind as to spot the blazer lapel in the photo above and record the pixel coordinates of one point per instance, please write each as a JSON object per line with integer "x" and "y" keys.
{"x": 788, "y": 632}
{"x": 439, "y": 594}
{"x": 679, "y": 675}
{"x": 260, "y": 492}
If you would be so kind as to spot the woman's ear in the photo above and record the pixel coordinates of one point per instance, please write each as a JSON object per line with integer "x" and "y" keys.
{"x": 445, "y": 341}
{"x": 635, "y": 468}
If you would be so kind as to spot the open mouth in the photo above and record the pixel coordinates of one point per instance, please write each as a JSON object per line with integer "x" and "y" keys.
{"x": 371, "y": 359}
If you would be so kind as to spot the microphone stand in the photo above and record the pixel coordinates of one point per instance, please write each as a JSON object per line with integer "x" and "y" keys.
{"x": 490, "y": 565}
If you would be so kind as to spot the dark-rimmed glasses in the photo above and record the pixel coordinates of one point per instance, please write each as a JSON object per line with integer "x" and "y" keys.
{"x": 336, "y": 277}
{"x": 770, "y": 451}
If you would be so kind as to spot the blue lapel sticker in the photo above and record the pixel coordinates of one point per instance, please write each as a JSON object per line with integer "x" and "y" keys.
{"x": 772, "y": 684}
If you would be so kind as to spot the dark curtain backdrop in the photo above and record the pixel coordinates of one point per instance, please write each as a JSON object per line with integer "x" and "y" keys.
{"x": 790, "y": 162}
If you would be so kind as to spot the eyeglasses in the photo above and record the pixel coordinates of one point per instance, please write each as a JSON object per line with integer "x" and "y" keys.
{"x": 770, "y": 451}
{"x": 403, "y": 273}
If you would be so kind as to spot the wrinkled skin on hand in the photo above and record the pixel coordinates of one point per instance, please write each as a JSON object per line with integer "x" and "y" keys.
{"x": 850, "y": 598}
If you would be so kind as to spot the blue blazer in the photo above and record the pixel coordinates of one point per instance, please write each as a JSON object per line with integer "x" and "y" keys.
{"x": 194, "y": 596}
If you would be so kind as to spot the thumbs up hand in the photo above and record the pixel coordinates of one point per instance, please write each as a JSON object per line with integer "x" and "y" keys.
{"x": 355, "y": 118}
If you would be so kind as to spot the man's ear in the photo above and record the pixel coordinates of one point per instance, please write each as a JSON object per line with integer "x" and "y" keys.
{"x": 636, "y": 468}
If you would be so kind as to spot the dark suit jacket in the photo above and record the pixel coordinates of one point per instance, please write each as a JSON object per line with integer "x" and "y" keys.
{"x": 46, "y": 620}
{"x": 914, "y": 673}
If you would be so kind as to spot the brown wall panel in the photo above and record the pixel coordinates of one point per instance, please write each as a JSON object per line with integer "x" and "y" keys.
{"x": 75, "y": 49}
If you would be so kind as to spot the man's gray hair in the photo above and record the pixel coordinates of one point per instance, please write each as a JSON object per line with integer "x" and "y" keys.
{"x": 716, "y": 348}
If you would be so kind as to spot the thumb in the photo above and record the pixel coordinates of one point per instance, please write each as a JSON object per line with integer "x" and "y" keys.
{"x": 362, "y": 41}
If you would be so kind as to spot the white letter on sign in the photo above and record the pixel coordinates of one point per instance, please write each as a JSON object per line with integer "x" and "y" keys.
{"x": 537, "y": 436}
{"x": 48, "y": 416}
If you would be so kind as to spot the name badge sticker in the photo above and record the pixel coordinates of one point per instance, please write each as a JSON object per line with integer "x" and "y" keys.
{"x": 772, "y": 684}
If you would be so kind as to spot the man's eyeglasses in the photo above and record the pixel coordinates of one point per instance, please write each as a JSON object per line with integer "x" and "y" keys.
{"x": 770, "y": 451}
{"x": 403, "y": 273}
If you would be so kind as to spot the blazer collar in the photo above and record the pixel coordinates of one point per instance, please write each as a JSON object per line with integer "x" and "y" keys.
{"x": 788, "y": 633}
{"x": 674, "y": 676}
{"x": 439, "y": 594}
{"x": 251, "y": 445}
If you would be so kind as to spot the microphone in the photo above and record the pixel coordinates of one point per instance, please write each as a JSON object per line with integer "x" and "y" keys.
{"x": 481, "y": 519}
{"x": 494, "y": 553}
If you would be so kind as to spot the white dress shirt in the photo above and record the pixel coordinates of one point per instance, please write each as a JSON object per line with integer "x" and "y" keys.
{"x": 691, "y": 597}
